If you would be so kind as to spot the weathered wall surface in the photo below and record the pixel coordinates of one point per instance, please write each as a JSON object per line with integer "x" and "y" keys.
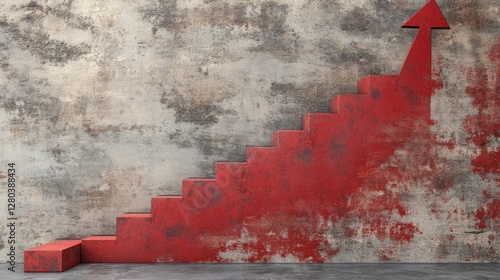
{"x": 107, "y": 103}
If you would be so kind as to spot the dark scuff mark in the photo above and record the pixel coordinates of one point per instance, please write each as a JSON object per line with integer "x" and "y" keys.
{"x": 191, "y": 111}
{"x": 376, "y": 94}
{"x": 174, "y": 231}
{"x": 443, "y": 182}
{"x": 215, "y": 196}
{"x": 337, "y": 149}
{"x": 475, "y": 231}
{"x": 305, "y": 155}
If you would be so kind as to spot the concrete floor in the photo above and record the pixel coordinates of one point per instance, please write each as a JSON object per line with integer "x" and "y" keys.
{"x": 266, "y": 271}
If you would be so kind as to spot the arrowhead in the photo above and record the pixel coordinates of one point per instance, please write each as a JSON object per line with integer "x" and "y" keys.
{"x": 429, "y": 16}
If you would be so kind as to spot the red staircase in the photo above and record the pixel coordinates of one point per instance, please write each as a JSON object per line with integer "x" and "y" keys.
{"x": 285, "y": 200}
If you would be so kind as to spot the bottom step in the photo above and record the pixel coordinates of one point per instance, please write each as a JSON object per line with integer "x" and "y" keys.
{"x": 56, "y": 256}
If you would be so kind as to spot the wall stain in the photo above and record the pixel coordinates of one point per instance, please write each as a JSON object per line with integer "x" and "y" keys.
{"x": 227, "y": 147}
{"x": 472, "y": 14}
{"x": 265, "y": 23}
{"x": 309, "y": 97}
{"x": 61, "y": 10}
{"x": 277, "y": 38}
{"x": 32, "y": 112}
{"x": 181, "y": 139}
{"x": 163, "y": 14}
{"x": 358, "y": 55}
{"x": 296, "y": 101}
{"x": 357, "y": 20}
{"x": 226, "y": 15}
{"x": 193, "y": 111}
{"x": 47, "y": 50}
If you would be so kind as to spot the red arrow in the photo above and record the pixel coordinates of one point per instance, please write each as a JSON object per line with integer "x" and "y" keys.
{"x": 418, "y": 62}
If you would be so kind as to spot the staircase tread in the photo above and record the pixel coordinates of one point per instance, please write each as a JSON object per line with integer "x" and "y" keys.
{"x": 56, "y": 245}
{"x": 135, "y": 215}
{"x": 100, "y": 238}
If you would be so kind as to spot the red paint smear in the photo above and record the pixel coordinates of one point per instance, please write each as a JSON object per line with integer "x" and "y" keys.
{"x": 485, "y": 125}
{"x": 403, "y": 232}
{"x": 489, "y": 216}
{"x": 485, "y": 93}
{"x": 487, "y": 162}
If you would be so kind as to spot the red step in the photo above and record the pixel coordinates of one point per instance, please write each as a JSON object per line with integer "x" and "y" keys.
{"x": 258, "y": 154}
{"x": 315, "y": 121}
{"x": 289, "y": 138}
{"x": 97, "y": 249}
{"x": 162, "y": 206}
{"x": 229, "y": 174}
{"x": 56, "y": 256}
{"x": 349, "y": 103}
{"x": 132, "y": 226}
{"x": 198, "y": 194}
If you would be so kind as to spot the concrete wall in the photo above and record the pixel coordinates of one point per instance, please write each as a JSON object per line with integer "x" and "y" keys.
{"x": 105, "y": 104}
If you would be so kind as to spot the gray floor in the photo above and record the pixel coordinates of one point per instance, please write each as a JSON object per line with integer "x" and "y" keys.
{"x": 266, "y": 271}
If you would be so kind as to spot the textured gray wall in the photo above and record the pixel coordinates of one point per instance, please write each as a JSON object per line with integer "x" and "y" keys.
{"x": 104, "y": 104}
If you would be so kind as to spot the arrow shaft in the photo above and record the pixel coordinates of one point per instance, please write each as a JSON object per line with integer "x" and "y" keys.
{"x": 419, "y": 60}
